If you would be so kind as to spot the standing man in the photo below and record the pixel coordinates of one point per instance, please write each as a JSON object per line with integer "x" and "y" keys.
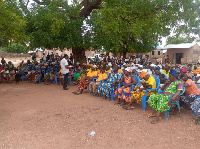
{"x": 65, "y": 70}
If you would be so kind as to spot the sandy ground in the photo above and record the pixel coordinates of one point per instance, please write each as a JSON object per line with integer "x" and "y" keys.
{"x": 42, "y": 116}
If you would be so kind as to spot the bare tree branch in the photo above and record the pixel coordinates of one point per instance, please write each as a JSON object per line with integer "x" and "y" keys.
{"x": 88, "y": 7}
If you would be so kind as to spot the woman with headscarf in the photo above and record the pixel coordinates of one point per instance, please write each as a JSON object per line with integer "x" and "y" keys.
{"x": 105, "y": 88}
{"x": 191, "y": 91}
{"x": 161, "y": 102}
{"x": 136, "y": 96}
{"x": 124, "y": 92}
{"x": 83, "y": 84}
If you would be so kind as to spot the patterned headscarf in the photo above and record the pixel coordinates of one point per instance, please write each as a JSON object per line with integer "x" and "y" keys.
{"x": 183, "y": 70}
{"x": 173, "y": 72}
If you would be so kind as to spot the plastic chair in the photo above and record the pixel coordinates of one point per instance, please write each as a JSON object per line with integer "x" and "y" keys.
{"x": 145, "y": 97}
{"x": 23, "y": 75}
{"x": 70, "y": 79}
{"x": 94, "y": 79}
{"x": 174, "y": 103}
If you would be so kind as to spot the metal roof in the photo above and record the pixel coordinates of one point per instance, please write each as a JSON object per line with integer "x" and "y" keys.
{"x": 180, "y": 46}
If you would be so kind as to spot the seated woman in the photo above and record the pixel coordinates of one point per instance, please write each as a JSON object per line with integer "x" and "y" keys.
{"x": 138, "y": 92}
{"x": 105, "y": 88}
{"x": 196, "y": 109}
{"x": 108, "y": 69}
{"x": 125, "y": 91}
{"x": 162, "y": 76}
{"x": 161, "y": 102}
{"x": 6, "y": 74}
{"x": 1, "y": 73}
{"x": 83, "y": 84}
{"x": 93, "y": 85}
{"x": 191, "y": 92}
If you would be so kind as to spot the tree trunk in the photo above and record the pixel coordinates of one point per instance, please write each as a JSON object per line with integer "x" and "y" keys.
{"x": 124, "y": 54}
{"x": 79, "y": 55}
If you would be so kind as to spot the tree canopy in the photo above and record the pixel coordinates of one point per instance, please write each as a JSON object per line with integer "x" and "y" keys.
{"x": 138, "y": 26}
{"x": 117, "y": 25}
{"x": 12, "y": 23}
{"x": 179, "y": 40}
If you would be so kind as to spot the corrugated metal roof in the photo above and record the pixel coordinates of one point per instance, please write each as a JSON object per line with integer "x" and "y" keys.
{"x": 180, "y": 46}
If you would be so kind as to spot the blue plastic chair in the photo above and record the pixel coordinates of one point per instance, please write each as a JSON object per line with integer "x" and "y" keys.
{"x": 94, "y": 79}
{"x": 145, "y": 97}
{"x": 174, "y": 103}
{"x": 23, "y": 75}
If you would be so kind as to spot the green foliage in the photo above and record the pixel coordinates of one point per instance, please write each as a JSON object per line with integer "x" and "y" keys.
{"x": 15, "y": 48}
{"x": 55, "y": 25}
{"x": 178, "y": 40}
{"x": 12, "y": 23}
{"x": 120, "y": 25}
{"x": 138, "y": 26}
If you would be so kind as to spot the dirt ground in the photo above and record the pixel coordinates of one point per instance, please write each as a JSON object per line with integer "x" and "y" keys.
{"x": 38, "y": 116}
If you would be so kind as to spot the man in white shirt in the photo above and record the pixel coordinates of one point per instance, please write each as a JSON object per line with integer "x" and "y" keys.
{"x": 65, "y": 70}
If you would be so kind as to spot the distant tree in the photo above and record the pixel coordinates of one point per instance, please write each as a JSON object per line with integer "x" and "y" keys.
{"x": 179, "y": 40}
{"x": 15, "y": 48}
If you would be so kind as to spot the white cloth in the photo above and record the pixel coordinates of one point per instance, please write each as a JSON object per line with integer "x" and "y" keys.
{"x": 64, "y": 63}
{"x": 44, "y": 57}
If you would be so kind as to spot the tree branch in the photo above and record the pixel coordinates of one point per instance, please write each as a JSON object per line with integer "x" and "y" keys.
{"x": 88, "y": 7}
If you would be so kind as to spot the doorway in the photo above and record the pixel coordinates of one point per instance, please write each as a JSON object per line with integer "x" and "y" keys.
{"x": 178, "y": 58}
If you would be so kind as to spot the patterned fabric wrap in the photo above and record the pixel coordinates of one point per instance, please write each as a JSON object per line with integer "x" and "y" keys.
{"x": 196, "y": 107}
{"x": 122, "y": 92}
{"x": 93, "y": 87}
{"x": 160, "y": 102}
{"x": 186, "y": 100}
{"x": 106, "y": 87}
{"x": 138, "y": 95}
{"x": 83, "y": 83}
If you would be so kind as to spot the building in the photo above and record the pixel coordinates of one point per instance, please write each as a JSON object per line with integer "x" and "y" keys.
{"x": 157, "y": 54}
{"x": 183, "y": 53}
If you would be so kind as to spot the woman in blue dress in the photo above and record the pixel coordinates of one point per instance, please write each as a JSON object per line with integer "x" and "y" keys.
{"x": 105, "y": 87}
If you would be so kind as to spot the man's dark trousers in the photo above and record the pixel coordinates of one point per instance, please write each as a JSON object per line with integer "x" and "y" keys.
{"x": 65, "y": 80}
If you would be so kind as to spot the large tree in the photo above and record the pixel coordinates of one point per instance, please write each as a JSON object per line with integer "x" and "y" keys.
{"x": 138, "y": 26}
{"x": 12, "y": 23}
{"x": 117, "y": 25}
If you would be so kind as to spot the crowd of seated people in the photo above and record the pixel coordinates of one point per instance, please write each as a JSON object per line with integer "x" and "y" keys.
{"x": 127, "y": 80}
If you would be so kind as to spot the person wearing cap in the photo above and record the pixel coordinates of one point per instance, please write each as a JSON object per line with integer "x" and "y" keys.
{"x": 136, "y": 96}
{"x": 65, "y": 70}
{"x": 77, "y": 67}
{"x": 161, "y": 102}
{"x": 124, "y": 92}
